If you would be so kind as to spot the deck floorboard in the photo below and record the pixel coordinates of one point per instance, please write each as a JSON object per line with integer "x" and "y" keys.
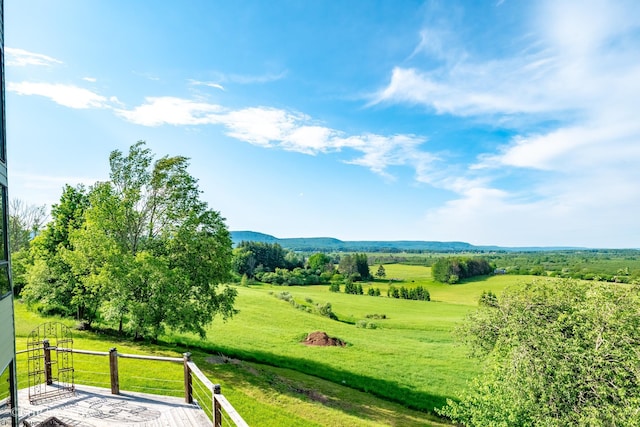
{"x": 97, "y": 407}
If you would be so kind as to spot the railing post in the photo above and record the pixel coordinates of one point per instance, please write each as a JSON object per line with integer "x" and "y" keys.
{"x": 113, "y": 370}
{"x": 188, "y": 395}
{"x": 47, "y": 362}
{"x": 217, "y": 409}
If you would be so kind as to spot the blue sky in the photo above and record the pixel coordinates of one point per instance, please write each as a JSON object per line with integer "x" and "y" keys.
{"x": 493, "y": 122}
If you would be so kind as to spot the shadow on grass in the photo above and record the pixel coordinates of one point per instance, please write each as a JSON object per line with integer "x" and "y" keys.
{"x": 317, "y": 392}
{"x": 384, "y": 389}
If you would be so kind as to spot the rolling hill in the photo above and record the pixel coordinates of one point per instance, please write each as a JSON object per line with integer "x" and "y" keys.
{"x": 330, "y": 244}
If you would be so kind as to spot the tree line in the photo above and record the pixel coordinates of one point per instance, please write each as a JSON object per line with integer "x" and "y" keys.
{"x": 453, "y": 269}
{"x": 270, "y": 263}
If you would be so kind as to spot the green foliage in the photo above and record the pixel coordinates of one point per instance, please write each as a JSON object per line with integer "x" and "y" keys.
{"x": 334, "y": 287}
{"x": 326, "y": 310}
{"x": 365, "y": 324}
{"x": 283, "y": 276}
{"x": 564, "y": 354}
{"x": 50, "y": 284}
{"x": 320, "y": 263}
{"x": 489, "y": 299}
{"x": 355, "y": 266}
{"x": 381, "y": 273}
{"x": 353, "y": 288}
{"x": 141, "y": 250}
{"x": 417, "y": 293}
{"x": 453, "y": 269}
{"x": 611, "y": 265}
{"x": 376, "y": 316}
{"x": 253, "y": 257}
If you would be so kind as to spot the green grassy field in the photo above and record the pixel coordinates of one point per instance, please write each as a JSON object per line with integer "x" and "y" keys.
{"x": 411, "y": 360}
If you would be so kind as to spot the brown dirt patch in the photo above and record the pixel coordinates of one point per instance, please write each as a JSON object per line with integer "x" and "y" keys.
{"x": 322, "y": 339}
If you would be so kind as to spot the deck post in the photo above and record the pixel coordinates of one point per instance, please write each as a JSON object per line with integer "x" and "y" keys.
{"x": 47, "y": 361}
{"x": 113, "y": 370}
{"x": 217, "y": 409}
{"x": 188, "y": 395}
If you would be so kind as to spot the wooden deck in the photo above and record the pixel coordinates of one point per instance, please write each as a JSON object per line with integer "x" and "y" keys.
{"x": 97, "y": 407}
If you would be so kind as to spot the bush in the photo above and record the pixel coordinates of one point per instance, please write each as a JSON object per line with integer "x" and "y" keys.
{"x": 365, "y": 324}
{"x": 561, "y": 354}
{"x": 418, "y": 293}
{"x": 285, "y": 296}
{"x": 376, "y": 316}
{"x": 488, "y": 299}
{"x": 326, "y": 310}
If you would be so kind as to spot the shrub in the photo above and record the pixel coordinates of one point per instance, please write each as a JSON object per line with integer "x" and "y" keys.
{"x": 488, "y": 299}
{"x": 365, "y": 324}
{"x": 326, "y": 310}
{"x": 557, "y": 354}
{"x": 376, "y": 316}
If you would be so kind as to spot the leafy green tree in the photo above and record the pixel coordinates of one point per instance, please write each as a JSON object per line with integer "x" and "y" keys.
{"x": 355, "y": 266}
{"x": 559, "y": 354}
{"x": 164, "y": 253}
{"x": 254, "y": 257}
{"x": 451, "y": 270}
{"x": 381, "y": 273}
{"x": 347, "y": 265}
{"x": 362, "y": 265}
{"x": 319, "y": 262}
{"x": 149, "y": 254}
{"x": 50, "y": 282}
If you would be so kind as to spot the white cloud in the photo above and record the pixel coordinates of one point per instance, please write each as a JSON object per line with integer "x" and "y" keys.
{"x": 66, "y": 95}
{"x": 209, "y": 84}
{"x": 170, "y": 110}
{"x": 21, "y": 58}
{"x": 286, "y": 130}
{"x": 575, "y": 86}
{"x": 90, "y": 79}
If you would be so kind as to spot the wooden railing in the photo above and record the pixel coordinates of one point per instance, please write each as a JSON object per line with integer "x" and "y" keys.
{"x": 208, "y": 395}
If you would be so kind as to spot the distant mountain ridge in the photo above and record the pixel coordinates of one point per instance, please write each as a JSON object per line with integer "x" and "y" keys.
{"x": 329, "y": 244}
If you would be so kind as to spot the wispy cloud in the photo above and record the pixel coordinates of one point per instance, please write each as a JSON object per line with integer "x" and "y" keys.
{"x": 255, "y": 79}
{"x": 90, "y": 79}
{"x": 291, "y": 131}
{"x": 209, "y": 84}
{"x": 67, "y": 95}
{"x": 22, "y": 58}
{"x": 575, "y": 86}
{"x": 171, "y": 111}
{"x": 248, "y": 79}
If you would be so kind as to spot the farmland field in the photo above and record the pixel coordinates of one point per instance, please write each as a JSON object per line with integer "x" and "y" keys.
{"x": 411, "y": 357}
{"x": 395, "y": 374}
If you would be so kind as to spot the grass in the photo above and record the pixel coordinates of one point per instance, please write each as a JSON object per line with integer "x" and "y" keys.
{"x": 410, "y": 360}
{"x": 412, "y": 356}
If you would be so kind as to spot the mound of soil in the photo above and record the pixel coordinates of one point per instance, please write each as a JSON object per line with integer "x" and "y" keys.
{"x": 322, "y": 339}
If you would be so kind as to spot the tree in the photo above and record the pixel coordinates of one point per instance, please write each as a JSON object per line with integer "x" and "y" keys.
{"x": 150, "y": 254}
{"x": 564, "y": 354}
{"x": 250, "y": 255}
{"x": 451, "y": 270}
{"x": 381, "y": 273}
{"x": 362, "y": 266}
{"x": 50, "y": 282}
{"x": 25, "y": 222}
{"x": 347, "y": 265}
{"x": 319, "y": 262}
{"x": 355, "y": 266}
